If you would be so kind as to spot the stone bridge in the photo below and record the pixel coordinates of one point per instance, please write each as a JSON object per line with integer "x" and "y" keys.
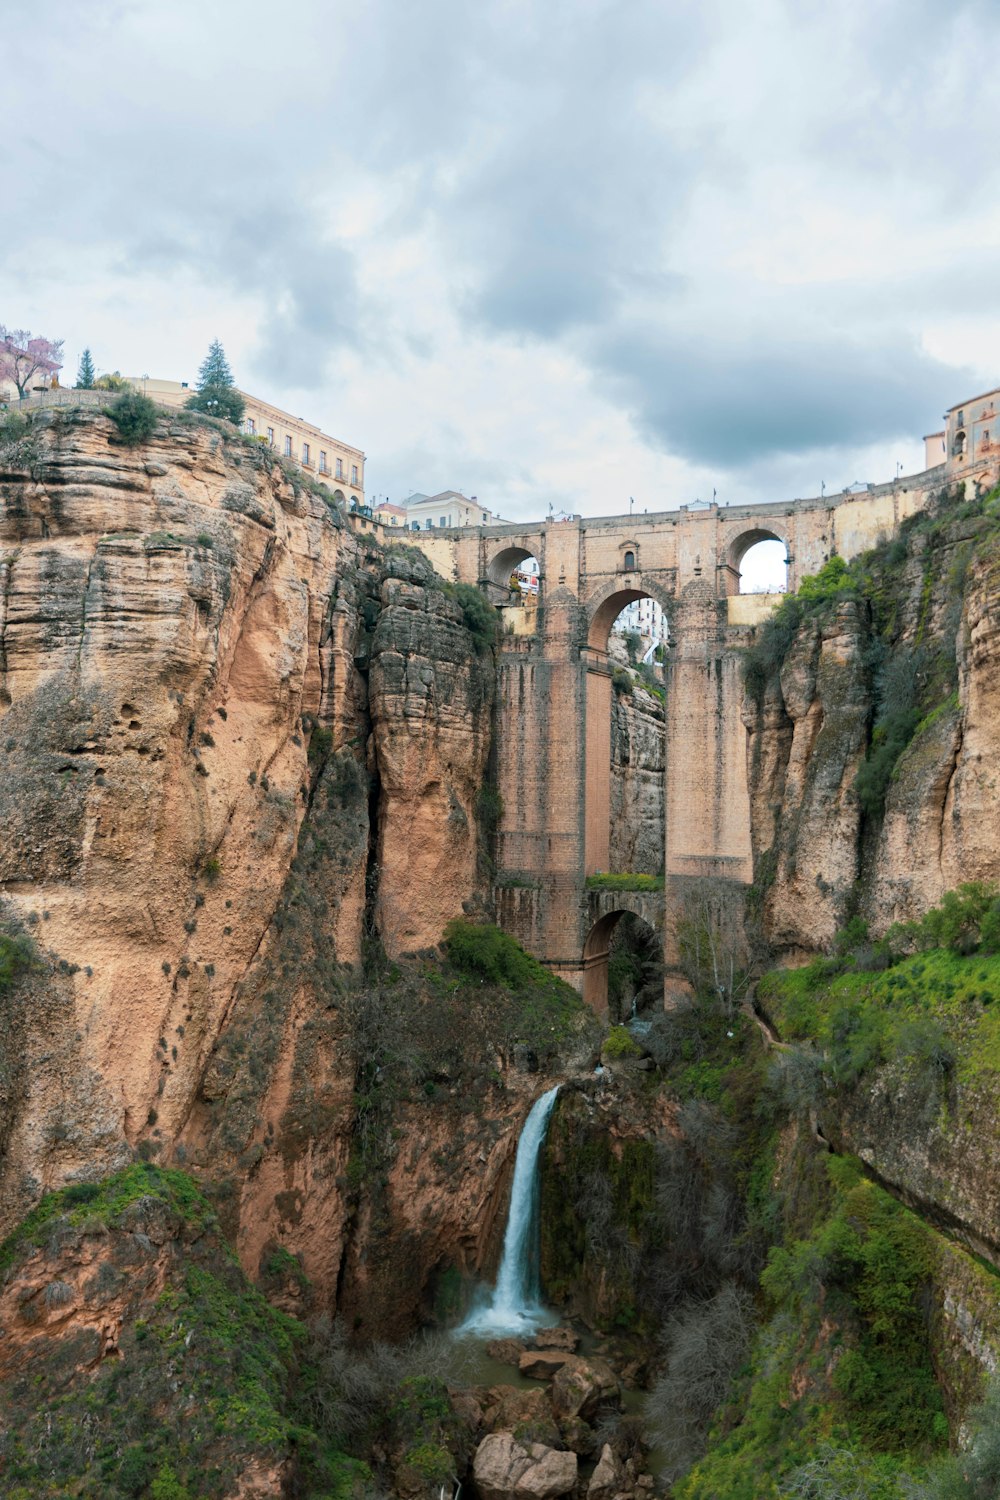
{"x": 555, "y": 695}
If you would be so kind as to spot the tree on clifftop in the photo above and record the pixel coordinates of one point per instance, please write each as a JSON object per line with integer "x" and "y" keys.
{"x": 22, "y": 357}
{"x": 216, "y": 393}
{"x": 85, "y": 373}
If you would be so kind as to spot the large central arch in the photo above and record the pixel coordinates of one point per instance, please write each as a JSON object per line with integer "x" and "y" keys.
{"x": 603, "y": 609}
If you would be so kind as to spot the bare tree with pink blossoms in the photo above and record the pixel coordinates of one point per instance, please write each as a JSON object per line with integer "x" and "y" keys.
{"x": 22, "y": 357}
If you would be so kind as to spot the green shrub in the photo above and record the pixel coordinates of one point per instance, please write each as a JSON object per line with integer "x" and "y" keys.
{"x": 135, "y": 416}
{"x": 491, "y": 954}
{"x": 17, "y": 953}
{"x": 619, "y": 1044}
{"x": 964, "y": 920}
{"x": 480, "y": 618}
{"x": 624, "y": 881}
{"x": 13, "y": 428}
{"x": 621, "y": 681}
{"x": 211, "y": 869}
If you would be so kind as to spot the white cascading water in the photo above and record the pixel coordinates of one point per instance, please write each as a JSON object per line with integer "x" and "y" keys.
{"x": 516, "y": 1305}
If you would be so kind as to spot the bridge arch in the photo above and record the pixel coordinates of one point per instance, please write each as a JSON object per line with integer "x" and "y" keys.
{"x": 607, "y": 604}
{"x": 503, "y": 563}
{"x": 597, "y": 944}
{"x": 744, "y": 543}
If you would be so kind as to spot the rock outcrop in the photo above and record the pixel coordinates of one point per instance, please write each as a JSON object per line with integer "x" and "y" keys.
{"x": 638, "y": 781}
{"x": 235, "y": 740}
{"x": 930, "y": 623}
{"x": 504, "y": 1470}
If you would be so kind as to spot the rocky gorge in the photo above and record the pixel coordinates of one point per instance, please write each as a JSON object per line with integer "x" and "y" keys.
{"x": 264, "y": 1058}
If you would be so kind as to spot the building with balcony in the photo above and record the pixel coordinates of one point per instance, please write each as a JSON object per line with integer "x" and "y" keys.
{"x": 337, "y": 465}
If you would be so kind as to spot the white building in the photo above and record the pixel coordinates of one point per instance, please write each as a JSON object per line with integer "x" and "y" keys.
{"x": 449, "y": 508}
{"x": 643, "y": 617}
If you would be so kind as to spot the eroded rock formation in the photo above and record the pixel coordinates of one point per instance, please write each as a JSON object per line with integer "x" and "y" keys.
{"x": 235, "y": 742}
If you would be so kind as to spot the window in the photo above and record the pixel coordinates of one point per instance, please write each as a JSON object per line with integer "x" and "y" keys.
{"x": 442, "y": 520}
{"x": 340, "y": 468}
{"x": 270, "y": 436}
{"x": 288, "y": 446}
{"x": 630, "y": 562}
{"x": 354, "y": 473}
{"x": 305, "y": 453}
{"x": 414, "y": 525}
{"x": 250, "y": 426}
{"x": 986, "y": 438}
{"x": 484, "y": 518}
{"x": 322, "y": 461}
{"x": 428, "y": 524}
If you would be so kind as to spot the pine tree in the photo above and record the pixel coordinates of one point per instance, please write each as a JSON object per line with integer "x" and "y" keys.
{"x": 85, "y": 374}
{"x": 216, "y": 393}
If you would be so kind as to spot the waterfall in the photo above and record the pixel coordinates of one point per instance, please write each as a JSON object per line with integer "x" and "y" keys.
{"x": 516, "y": 1306}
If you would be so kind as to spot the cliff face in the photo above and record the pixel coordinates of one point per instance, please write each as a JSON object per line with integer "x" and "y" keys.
{"x": 638, "y": 767}
{"x": 231, "y": 739}
{"x": 924, "y": 641}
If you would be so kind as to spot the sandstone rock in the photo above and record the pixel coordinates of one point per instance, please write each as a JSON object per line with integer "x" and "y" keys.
{"x": 543, "y": 1364}
{"x": 579, "y": 1437}
{"x": 551, "y": 1473}
{"x": 557, "y": 1338}
{"x": 498, "y": 1465}
{"x": 507, "y": 1407}
{"x": 607, "y": 1477}
{"x": 505, "y": 1351}
{"x": 504, "y": 1470}
{"x": 582, "y": 1386}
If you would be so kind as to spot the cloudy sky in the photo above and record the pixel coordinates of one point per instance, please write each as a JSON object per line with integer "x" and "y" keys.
{"x": 541, "y": 252}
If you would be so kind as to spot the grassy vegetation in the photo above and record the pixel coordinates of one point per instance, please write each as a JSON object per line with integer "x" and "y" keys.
{"x": 935, "y": 1009}
{"x": 205, "y": 1370}
{"x": 103, "y": 1203}
{"x": 843, "y": 1364}
{"x": 626, "y": 881}
{"x": 618, "y": 1044}
{"x": 16, "y": 955}
{"x": 542, "y": 1011}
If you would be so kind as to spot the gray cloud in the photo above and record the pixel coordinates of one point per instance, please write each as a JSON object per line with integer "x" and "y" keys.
{"x": 739, "y": 228}
{"x": 726, "y": 398}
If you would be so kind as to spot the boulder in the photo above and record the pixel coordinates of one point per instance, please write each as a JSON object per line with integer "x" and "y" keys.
{"x": 580, "y": 1437}
{"x": 506, "y": 1408}
{"x": 551, "y": 1473}
{"x": 582, "y": 1386}
{"x": 498, "y": 1465}
{"x": 557, "y": 1338}
{"x": 504, "y": 1470}
{"x": 506, "y": 1351}
{"x": 543, "y": 1364}
{"x": 606, "y": 1479}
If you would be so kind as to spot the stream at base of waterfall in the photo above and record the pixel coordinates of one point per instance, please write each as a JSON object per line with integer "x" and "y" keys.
{"x": 516, "y": 1303}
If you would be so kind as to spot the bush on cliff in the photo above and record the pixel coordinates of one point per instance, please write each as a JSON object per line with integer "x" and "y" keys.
{"x": 774, "y": 638}
{"x": 135, "y": 416}
{"x": 480, "y": 618}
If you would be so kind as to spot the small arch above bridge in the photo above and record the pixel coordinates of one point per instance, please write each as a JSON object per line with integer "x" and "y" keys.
{"x": 741, "y": 545}
{"x": 504, "y": 562}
